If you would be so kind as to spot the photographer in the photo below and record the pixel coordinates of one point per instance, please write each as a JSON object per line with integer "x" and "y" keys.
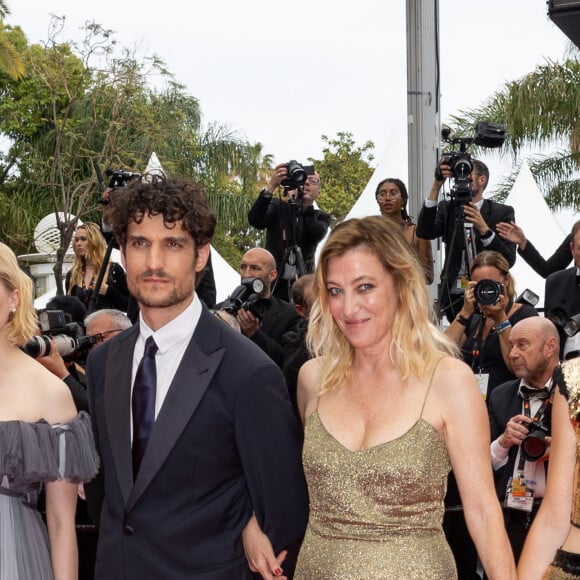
{"x": 276, "y": 216}
{"x": 446, "y": 220}
{"x": 483, "y": 324}
{"x": 519, "y": 450}
{"x": 71, "y": 371}
{"x": 562, "y": 293}
{"x": 276, "y": 318}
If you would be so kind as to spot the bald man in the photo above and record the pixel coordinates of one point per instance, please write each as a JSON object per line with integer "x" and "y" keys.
{"x": 280, "y": 317}
{"x": 515, "y": 408}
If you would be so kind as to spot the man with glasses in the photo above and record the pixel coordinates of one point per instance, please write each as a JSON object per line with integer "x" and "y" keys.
{"x": 106, "y": 323}
{"x": 442, "y": 220}
{"x": 274, "y": 214}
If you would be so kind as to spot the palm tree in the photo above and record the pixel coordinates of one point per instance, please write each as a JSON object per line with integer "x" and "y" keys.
{"x": 10, "y": 61}
{"x": 541, "y": 110}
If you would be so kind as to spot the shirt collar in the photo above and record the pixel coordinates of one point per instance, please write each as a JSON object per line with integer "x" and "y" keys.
{"x": 175, "y": 331}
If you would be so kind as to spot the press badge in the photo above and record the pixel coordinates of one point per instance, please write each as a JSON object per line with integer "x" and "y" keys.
{"x": 518, "y": 495}
{"x": 483, "y": 380}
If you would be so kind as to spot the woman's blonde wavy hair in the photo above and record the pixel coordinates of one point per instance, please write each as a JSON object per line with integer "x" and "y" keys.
{"x": 417, "y": 343}
{"x": 23, "y": 324}
{"x": 95, "y": 254}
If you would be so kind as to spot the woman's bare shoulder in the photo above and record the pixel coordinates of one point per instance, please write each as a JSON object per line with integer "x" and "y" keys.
{"x": 48, "y": 393}
{"x": 308, "y": 385}
{"x": 452, "y": 373}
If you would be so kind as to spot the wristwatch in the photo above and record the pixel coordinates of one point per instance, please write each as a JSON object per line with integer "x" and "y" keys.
{"x": 266, "y": 193}
{"x": 487, "y": 234}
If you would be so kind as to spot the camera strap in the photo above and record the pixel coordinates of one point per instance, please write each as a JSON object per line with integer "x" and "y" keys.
{"x": 520, "y": 491}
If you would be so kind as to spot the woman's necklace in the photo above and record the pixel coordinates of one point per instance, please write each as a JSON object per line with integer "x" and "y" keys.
{"x": 91, "y": 285}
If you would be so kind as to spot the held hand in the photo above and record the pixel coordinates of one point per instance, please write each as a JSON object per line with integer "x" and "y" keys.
{"x": 473, "y": 215}
{"x": 516, "y": 431}
{"x": 259, "y": 552}
{"x": 496, "y": 312}
{"x": 468, "y": 307}
{"x": 280, "y": 173}
{"x": 106, "y": 206}
{"x": 512, "y": 233}
{"x": 443, "y": 171}
{"x": 103, "y": 289}
{"x": 249, "y": 324}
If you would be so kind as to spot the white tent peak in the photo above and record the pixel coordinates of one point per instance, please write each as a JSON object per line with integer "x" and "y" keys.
{"x": 154, "y": 166}
{"x": 538, "y": 223}
{"x": 392, "y": 164}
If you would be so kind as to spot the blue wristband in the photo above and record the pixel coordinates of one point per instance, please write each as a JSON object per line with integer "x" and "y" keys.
{"x": 499, "y": 328}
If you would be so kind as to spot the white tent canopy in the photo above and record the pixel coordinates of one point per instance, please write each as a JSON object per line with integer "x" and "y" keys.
{"x": 539, "y": 224}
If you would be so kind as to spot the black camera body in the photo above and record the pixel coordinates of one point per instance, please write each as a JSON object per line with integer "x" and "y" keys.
{"x": 297, "y": 175}
{"x": 461, "y": 165}
{"x": 488, "y": 135}
{"x": 249, "y": 295}
{"x": 118, "y": 178}
{"x": 68, "y": 337}
{"x": 487, "y": 292}
{"x": 534, "y": 445}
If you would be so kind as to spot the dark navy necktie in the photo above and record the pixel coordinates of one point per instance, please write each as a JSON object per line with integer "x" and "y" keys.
{"x": 143, "y": 404}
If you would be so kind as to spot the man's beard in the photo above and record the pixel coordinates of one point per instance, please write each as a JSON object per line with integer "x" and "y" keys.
{"x": 176, "y": 295}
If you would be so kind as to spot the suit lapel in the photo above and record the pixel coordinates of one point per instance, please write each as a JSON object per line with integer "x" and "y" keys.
{"x": 118, "y": 407}
{"x": 190, "y": 383}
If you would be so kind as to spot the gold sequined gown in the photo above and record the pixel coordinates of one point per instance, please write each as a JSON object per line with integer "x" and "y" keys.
{"x": 376, "y": 513}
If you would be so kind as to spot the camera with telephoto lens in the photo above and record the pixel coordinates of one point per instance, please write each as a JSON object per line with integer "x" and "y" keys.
{"x": 488, "y": 135}
{"x": 487, "y": 292}
{"x": 297, "y": 175}
{"x": 249, "y": 295}
{"x": 118, "y": 178}
{"x": 534, "y": 445}
{"x": 68, "y": 337}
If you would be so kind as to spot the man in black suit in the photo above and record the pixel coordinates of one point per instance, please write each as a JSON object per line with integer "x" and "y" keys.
{"x": 562, "y": 294}
{"x": 444, "y": 220}
{"x": 199, "y": 445}
{"x": 513, "y": 407}
{"x": 287, "y": 221}
{"x": 280, "y": 318}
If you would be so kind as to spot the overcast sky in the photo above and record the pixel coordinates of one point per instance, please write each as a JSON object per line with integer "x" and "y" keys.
{"x": 284, "y": 73}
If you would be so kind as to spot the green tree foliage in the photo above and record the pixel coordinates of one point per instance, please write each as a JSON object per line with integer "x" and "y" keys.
{"x": 77, "y": 105}
{"x": 540, "y": 110}
{"x": 10, "y": 60}
{"x": 344, "y": 172}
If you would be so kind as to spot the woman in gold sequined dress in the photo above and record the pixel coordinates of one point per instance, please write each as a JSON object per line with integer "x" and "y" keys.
{"x": 555, "y": 534}
{"x": 388, "y": 411}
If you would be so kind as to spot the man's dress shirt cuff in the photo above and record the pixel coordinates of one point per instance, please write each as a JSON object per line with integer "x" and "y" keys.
{"x": 499, "y": 455}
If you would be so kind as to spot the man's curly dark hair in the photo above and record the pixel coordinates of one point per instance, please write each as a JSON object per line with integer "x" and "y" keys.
{"x": 174, "y": 198}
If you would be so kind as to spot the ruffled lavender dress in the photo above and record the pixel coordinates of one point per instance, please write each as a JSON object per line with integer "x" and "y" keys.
{"x": 32, "y": 454}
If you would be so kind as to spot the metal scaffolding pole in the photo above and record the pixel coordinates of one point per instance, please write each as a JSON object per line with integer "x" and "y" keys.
{"x": 423, "y": 110}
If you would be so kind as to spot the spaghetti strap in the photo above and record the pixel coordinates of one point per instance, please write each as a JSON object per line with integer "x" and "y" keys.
{"x": 429, "y": 385}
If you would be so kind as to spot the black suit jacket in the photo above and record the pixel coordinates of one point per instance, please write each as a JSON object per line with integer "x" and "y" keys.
{"x": 440, "y": 222}
{"x": 557, "y": 261}
{"x": 562, "y": 292}
{"x": 275, "y": 216}
{"x": 225, "y": 444}
{"x": 280, "y": 319}
{"x": 504, "y": 403}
